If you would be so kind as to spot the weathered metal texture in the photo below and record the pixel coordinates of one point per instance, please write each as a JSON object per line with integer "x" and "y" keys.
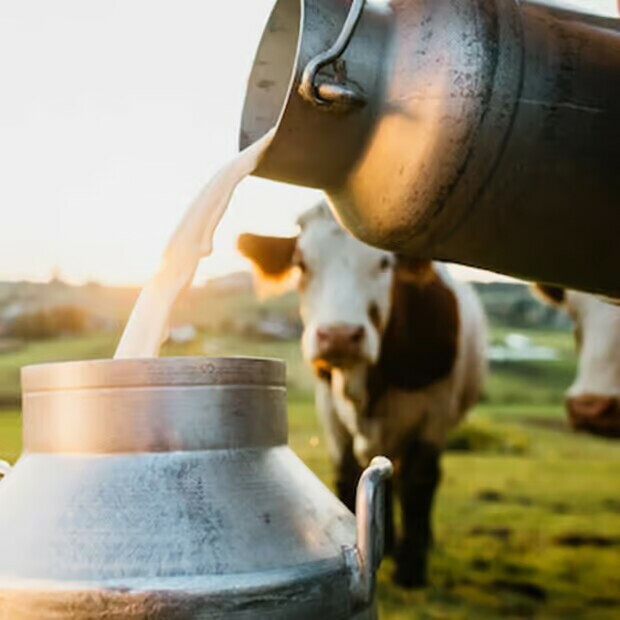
{"x": 165, "y": 489}
{"x": 314, "y": 145}
{"x": 489, "y": 137}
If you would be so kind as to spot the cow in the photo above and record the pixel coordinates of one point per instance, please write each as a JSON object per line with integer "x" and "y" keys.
{"x": 398, "y": 352}
{"x": 593, "y": 400}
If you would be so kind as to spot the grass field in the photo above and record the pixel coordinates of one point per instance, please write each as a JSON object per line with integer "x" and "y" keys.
{"x": 528, "y": 514}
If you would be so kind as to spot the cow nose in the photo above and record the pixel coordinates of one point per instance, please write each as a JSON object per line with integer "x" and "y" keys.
{"x": 599, "y": 415}
{"x": 340, "y": 342}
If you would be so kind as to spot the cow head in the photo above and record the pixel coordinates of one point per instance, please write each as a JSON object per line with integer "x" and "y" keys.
{"x": 593, "y": 400}
{"x": 344, "y": 288}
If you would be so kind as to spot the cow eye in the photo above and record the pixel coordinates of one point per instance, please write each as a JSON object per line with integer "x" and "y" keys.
{"x": 385, "y": 264}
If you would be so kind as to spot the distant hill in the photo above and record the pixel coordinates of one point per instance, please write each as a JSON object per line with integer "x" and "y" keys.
{"x": 110, "y": 304}
{"x": 512, "y": 304}
{"x": 231, "y": 300}
{"x": 239, "y": 282}
{"x": 219, "y": 302}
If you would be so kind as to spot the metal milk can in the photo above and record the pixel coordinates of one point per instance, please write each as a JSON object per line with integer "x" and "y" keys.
{"x": 165, "y": 489}
{"x": 484, "y": 132}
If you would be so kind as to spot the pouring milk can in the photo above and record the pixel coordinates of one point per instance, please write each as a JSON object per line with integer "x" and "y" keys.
{"x": 165, "y": 489}
{"x": 484, "y": 132}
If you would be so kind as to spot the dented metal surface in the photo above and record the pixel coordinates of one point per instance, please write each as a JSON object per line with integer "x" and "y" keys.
{"x": 489, "y": 137}
{"x": 166, "y": 489}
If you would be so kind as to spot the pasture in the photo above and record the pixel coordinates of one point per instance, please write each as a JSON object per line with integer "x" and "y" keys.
{"x": 528, "y": 514}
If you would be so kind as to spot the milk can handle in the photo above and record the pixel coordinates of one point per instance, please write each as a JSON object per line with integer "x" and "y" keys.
{"x": 370, "y": 511}
{"x": 5, "y": 469}
{"x": 326, "y": 94}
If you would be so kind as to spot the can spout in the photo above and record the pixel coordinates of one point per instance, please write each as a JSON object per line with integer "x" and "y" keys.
{"x": 270, "y": 82}
{"x": 317, "y": 78}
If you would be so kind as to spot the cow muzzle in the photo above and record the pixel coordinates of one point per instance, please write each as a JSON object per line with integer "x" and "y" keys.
{"x": 598, "y": 415}
{"x": 340, "y": 345}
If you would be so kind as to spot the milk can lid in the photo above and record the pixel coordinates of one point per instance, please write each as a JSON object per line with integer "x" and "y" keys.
{"x": 154, "y": 405}
{"x": 169, "y": 371}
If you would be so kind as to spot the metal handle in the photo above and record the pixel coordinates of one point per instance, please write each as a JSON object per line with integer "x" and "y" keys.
{"x": 370, "y": 511}
{"x": 5, "y": 468}
{"x": 326, "y": 94}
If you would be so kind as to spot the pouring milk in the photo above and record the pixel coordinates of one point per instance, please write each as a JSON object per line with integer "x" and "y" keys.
{"x": 147, "y": 327}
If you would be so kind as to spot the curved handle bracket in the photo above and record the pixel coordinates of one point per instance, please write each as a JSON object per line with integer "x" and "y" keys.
{"x": 370, "y": 513}
{"x": 329, "y": 94}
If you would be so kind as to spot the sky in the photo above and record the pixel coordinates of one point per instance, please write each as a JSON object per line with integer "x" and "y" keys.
{"x": 113, "y": 115}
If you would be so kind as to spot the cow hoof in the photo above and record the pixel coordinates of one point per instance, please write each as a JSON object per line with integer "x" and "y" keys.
{"x": 410, "y": 579}
{"x": 389, "y": 549}
{"x": 389, "y": 544}
{"x": 410, "y": 572}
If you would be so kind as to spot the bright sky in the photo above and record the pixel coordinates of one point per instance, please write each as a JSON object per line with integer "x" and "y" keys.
{"x": 113, "y": 115}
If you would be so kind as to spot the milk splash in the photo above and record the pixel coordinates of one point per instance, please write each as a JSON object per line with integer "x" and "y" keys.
{"x": 147, "y": 327}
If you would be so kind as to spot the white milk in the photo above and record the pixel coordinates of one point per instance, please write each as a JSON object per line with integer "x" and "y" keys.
{"x": 147, "y": 327}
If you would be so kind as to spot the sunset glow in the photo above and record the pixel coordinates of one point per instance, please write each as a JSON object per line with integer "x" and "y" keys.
{"x": 113, "y": 117}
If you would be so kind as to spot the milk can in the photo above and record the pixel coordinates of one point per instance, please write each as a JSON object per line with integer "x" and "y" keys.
{"x": 484, "y": 132}
{"x": 165, "y": 489}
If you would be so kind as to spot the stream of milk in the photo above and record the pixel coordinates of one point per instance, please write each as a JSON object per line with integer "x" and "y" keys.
{"x": 147, "y": 327}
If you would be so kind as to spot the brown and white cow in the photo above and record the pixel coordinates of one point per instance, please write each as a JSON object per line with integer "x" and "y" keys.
{"x": 593, "y": 400}
{"x": 398, "y": 351}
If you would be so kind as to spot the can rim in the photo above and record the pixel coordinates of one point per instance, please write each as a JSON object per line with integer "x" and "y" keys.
{"x": 168, "y": 371}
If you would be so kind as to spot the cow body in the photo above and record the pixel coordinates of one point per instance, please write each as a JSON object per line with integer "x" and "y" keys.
{"x": 593, "y": 400}
{"x": 424, "y": 390}
{"x": 398, "y": 351}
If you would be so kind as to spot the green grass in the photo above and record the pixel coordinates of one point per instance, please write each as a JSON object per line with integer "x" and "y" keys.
{"x": 532, "y": 383}
{"x": 517, "y": 489}
{"x": 10, "y": 435}
{"x": 558, "y": 339}
{"x": 501, "y": 513}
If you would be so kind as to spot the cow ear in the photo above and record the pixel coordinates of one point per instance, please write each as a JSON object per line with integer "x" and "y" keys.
{"x": 272, "y": 256}
{"x": 554, "y": 295}
{"x": 414, "y": 270}
{"x": 272, "y": 259}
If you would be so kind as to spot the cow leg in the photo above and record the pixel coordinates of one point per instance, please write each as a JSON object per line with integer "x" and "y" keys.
{"x": 339, "y": 445}
{"x": 346, "y": 467}
{"x": 419, "y": 477}
{"x": 348, "y": 472}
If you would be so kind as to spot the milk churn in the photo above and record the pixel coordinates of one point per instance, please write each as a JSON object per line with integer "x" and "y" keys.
{"x": 165, "y": 489}
{"x": 484, "y": 132}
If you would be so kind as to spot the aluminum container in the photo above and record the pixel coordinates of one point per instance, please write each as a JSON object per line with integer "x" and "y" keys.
{"x": 165, "y": 489}
{"x": 483, "y": 132}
